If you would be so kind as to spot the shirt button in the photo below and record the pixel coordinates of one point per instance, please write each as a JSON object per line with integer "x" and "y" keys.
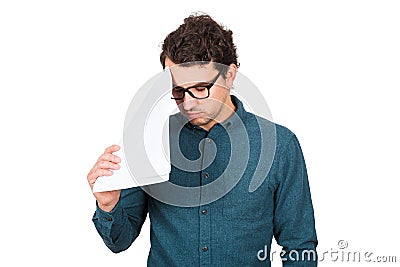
{"x": 206, "y": 175}
{"x": 204, "y": 248}
{"x": 109, "y": 219}
{"x": 204, "y": 211}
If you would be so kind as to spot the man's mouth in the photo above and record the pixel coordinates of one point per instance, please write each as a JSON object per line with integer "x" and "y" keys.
{"x": 192, "y": 115}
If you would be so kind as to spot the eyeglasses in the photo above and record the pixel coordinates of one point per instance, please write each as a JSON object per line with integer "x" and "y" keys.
{"x": 199, "y": 91}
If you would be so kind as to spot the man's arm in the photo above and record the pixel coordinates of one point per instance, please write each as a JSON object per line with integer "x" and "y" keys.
{"x": 294, "y": 225}
{"x": 121, "y": 226}
{"x": 120, "y": 214}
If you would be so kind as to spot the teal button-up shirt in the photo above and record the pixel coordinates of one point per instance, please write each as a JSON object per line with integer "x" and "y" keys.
{"x": 237, "y": 228}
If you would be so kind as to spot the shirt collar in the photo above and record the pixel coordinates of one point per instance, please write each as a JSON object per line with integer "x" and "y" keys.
{"x": 239, "y": 116}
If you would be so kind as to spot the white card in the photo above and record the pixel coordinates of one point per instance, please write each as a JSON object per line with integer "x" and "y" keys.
{"x": 122, "y": 178}
{"x": 146, "y": 133}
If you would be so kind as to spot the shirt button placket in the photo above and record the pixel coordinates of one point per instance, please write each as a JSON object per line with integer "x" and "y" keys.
{"x": 205, "y": 235}
{"x": 205, "y": 219}
{"x": 205, "y": 174}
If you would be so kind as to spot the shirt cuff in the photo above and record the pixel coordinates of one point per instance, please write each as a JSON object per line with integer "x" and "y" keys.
{"x": 115, "y": 215}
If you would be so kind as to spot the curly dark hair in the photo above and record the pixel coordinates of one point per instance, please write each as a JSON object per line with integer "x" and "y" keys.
{"x": 199, "y": 38}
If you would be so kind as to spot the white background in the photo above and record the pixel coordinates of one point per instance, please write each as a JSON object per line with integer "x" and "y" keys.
{"x": 329, "y": 71}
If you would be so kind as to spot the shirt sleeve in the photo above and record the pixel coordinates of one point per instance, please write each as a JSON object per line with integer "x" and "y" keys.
{"x": 121, "y": 226}
{"x": 294, "y": 224}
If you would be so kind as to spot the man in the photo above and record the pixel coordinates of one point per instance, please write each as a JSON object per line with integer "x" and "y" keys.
{"x": 236, "y": 227}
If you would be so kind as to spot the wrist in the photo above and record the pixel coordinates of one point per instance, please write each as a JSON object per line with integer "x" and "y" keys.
{"x": 107, "y": 207}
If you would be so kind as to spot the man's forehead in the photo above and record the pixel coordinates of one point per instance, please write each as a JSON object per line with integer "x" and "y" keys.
{"x": 194, "y": 73}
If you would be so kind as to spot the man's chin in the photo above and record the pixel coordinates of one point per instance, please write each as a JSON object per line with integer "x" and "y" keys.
{"x": 200, "y": 121}
{"x": 197, "y": 121}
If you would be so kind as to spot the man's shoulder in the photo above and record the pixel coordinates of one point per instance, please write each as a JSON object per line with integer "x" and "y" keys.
{"x": 282, "y": 133}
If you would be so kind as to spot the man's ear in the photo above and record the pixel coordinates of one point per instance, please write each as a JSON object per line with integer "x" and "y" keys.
{"x": 230, "y": 75}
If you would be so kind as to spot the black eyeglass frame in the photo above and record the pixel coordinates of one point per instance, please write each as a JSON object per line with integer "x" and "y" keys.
{"x": 187, "y": 90}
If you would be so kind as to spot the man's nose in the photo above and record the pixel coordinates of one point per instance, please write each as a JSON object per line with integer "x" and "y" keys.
{"x": 189, "y": 102}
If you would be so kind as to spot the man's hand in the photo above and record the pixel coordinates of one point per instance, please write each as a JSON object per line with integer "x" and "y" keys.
{"x": 103, "y": 167}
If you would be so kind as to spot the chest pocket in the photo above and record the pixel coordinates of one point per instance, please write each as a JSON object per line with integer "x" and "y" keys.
{"x": 241, "y": 204}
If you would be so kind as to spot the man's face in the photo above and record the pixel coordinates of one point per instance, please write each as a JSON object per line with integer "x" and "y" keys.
{"x": 201, "y": 112}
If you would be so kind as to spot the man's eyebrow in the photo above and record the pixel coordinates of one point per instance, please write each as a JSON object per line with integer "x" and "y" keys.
{"x": 197, "y": 84}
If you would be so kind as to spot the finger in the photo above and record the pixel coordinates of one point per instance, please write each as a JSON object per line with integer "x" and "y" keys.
{"x": 102, "y": 172}
{"x": 109, "y": 157}
{"x": 107, "y": 165}
{"x": 112, "y": 149}
{"x": 91, "y": 180}
{"x": 97, "y": 172}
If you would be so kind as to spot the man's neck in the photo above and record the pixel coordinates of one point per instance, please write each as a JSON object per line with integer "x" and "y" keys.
{"x": 228, "y": 109}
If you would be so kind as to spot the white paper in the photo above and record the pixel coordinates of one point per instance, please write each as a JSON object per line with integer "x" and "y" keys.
{"x": 122, "y": 178}
{"x": 146, "y": 138}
